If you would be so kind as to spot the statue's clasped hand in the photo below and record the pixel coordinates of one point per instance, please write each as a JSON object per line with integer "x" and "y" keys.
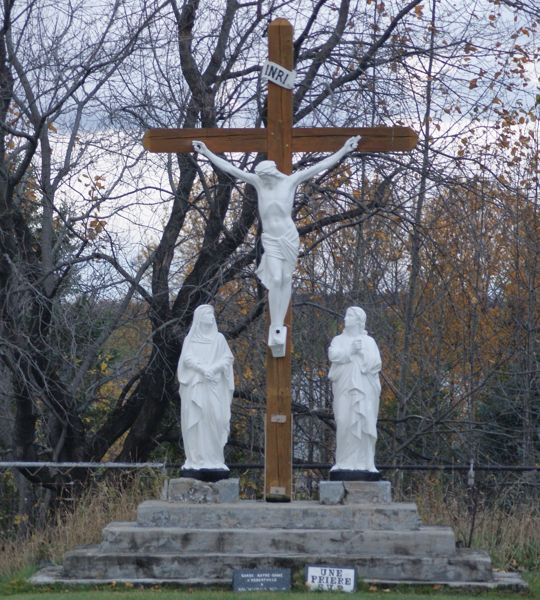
{"x": 210, "y": 374}
{"x": 357, "y": 346}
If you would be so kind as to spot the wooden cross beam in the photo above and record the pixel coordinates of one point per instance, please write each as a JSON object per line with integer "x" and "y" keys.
{"x": 278, "y": 141}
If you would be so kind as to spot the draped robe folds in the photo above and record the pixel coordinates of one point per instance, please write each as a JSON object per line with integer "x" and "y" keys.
{"x": 205, "y": 405}
{"x": 284, "y": 247}
{"x": 356, "y": 389}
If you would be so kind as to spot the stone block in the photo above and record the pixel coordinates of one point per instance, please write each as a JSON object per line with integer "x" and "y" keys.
{"x": 193, "y": 491}
{"x": 331, "y": 492}
{"x": 367, "y": 492}
{"x": 228, "y": 490}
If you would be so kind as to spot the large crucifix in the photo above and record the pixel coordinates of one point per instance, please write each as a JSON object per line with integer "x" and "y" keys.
{"x": 278, "y": 141}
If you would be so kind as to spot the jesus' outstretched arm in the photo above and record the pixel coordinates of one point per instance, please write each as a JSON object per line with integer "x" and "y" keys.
{"x": 350, "y": 145}
{"x": 222, "y": 164}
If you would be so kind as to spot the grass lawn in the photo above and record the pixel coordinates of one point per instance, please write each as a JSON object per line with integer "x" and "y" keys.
{"x": 19, "y": 589}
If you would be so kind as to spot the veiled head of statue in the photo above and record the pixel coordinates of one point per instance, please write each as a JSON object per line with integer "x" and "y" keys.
{"x": 355, "y": 316}
{"x": 204, "y": 325}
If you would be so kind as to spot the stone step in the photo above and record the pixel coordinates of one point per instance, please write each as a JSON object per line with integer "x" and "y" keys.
{"x": 92, "y": 563}
{"x": 294, "y": 515}
{"x": 433, "y": 541}
{"x": 508, "y": 581}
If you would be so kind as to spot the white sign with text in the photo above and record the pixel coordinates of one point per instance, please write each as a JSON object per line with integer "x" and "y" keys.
{"x": 278, "y": 74}
{"x": 331, "y": 579}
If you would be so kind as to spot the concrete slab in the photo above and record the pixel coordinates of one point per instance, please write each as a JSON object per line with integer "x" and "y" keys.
{"x": 294, "y": 515}
{"x": 433, "y": 541}
{"x": 91, "y": 561}
{"x": 502, "y": 580}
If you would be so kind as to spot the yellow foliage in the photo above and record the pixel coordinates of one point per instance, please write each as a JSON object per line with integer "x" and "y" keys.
{"x": 19, "y": 519}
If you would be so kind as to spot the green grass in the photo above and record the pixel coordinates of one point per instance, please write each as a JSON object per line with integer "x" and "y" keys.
{"x": 220, "y": 595}
{"x": 18, "y": 588}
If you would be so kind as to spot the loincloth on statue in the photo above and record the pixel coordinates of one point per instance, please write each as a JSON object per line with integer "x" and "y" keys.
{"x": 285, "y": 248}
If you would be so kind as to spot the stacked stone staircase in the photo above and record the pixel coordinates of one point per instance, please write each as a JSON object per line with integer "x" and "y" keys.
{"x": 199, "y": 533}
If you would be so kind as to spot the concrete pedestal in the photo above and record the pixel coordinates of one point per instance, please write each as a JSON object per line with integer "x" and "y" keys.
{"x": 200, "y": 532}
{"x": 195, "y": 491}
{"x": 355, "y": 492}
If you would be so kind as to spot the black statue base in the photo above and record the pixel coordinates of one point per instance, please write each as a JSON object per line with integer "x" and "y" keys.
{"x": 351, "y": 475}
{"x": 208, "y": 475}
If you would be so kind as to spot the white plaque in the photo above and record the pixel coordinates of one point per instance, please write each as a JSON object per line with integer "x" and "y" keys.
{"x": 335, "y": 579}
{"x": 278, "y": 74}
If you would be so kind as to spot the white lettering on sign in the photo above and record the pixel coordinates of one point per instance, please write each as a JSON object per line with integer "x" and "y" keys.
{"x": 331, "y": 579}
{"x": 278, "y": 75}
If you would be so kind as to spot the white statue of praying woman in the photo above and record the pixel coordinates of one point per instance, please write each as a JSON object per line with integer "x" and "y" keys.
{"x": 280, "y": 240}
{"x": 205, "y": 374}
{"x": 356, "y": 388}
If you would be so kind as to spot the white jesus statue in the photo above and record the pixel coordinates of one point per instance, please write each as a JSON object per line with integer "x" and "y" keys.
{"x": 280, "y": 240}
{"x": 356, "y": 363}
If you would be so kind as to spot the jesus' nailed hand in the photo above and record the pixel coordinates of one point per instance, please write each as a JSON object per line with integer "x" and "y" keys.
{"x": 275, "y": 197}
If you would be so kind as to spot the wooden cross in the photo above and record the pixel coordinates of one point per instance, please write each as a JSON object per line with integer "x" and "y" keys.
{"x": 279, "y": 140}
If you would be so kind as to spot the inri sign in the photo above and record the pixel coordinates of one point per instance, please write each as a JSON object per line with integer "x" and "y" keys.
{"x": 278, "y": 75}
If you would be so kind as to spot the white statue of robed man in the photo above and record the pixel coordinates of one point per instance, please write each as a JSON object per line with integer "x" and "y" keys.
{"x": 356, "y": 388}
{"x": 205, "y": 375}
{"x": 280, "y": 240}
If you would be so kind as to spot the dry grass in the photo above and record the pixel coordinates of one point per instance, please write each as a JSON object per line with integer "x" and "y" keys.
{"x": 508, "y": 530}
{"x": 108, "y": 501}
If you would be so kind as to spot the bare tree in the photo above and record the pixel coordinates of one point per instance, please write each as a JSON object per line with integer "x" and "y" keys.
{"x": 51, "y": 76}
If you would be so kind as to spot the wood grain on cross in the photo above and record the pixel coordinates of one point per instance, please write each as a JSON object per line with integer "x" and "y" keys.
{"x": 278, "y": 141}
